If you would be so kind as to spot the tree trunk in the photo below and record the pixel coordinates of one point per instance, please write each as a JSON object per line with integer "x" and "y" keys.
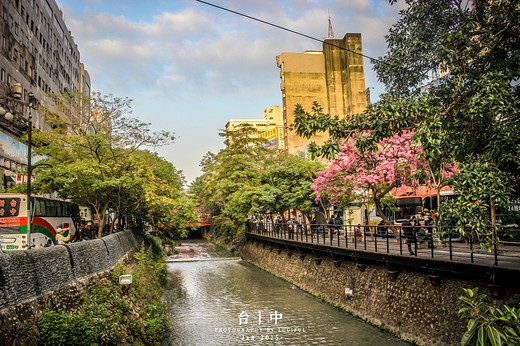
{"x": 493, "y": 211}
{"x": 390, "y": 225}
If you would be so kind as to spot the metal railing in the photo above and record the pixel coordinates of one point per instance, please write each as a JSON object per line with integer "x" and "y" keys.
{"x": 417, "y": 241}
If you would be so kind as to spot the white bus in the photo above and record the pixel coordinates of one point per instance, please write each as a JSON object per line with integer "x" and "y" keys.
{"x": 48, "y": 215}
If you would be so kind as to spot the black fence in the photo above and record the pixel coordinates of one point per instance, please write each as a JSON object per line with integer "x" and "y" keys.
{"x": 417, "y": 241}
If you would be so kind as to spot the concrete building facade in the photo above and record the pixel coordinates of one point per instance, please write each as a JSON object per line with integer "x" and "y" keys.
{"x": 38, "y": 52}
{"x": 334, "y": 78}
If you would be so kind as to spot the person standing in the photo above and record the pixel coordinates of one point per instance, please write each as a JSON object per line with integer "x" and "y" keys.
{"x": 409, "y": 234}
{"x": 291, "y": 226}
{"x": 331, "y": 226}
{"x": 61, "y": 238}
{"x": 314, "y": 225}
{"x": 338, "y": 222}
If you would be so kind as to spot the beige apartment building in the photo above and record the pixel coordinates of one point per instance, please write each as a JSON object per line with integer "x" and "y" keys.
{"x": 333, "y": 77}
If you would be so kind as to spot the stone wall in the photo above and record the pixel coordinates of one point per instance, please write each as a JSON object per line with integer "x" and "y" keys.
{"x": 54, "y": 277}
{"x": 409, "y": 306}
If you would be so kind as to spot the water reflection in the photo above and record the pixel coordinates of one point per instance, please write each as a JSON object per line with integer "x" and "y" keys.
{"x": 234, "y": 303}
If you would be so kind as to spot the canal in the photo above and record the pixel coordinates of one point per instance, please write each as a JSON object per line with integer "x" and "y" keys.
{"x": 216, "y": 299}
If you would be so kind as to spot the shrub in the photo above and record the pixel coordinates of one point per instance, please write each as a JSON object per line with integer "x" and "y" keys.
{"x": 113, "y": 316}
{"x": 488, "y": 325}
{"x": 56, "y": 328}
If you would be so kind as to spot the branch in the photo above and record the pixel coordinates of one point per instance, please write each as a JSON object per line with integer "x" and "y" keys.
{"x": 456, "y": 102}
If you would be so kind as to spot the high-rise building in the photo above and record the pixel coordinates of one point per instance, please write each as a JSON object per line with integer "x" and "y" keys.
{"x": 38, "y": 52}
{"x": 334, "y": 77}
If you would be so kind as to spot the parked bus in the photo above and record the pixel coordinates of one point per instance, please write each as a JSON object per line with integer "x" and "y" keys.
{"x": 430, "y": 202}
{"x": 48, "y": 215}
{"x": 407, "y": 206}
{"x": 404, "y": 208}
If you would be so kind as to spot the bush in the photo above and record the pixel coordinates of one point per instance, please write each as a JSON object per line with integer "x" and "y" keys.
{"x": 56, "y": 328}
{"x": 111, "y": 315}
{"x": 488, "y": 325}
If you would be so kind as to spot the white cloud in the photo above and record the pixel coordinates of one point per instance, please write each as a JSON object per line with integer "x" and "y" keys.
{"x": 190, "y": 67}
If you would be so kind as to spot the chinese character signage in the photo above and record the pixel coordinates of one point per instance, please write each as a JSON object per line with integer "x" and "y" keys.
{"x": 260, "y": 325}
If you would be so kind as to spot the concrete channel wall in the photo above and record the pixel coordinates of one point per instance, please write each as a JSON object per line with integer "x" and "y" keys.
{"x": 408, "y": 304}
{"x": 54, "y": 277}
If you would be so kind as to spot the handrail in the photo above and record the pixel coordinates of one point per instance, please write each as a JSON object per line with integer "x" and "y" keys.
{"x": 422, "y": 242}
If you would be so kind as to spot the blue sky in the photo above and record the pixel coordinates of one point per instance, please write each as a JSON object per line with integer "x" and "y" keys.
{"x": 190, "y": 67}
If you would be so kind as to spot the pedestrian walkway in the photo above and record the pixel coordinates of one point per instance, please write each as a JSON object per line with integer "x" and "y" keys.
{"x": 504, "y": 255}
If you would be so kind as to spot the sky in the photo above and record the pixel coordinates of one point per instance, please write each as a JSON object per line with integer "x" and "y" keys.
{"x": 190, "y": 67}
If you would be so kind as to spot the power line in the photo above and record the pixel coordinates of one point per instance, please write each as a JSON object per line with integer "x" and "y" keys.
{"x": 286, "y": 29}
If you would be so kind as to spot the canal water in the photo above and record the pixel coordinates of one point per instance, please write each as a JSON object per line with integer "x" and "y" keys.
{"x": 216, "y": 299}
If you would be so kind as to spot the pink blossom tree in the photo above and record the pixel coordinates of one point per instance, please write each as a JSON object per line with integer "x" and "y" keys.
{"x": 374, "y": 172}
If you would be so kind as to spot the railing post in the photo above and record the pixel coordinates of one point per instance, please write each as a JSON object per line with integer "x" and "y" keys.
{"x": 471, "y": 245}
{"x": 400, "y": 241}
{"x": 430, "y": 240}
{"x": 365, "y": 236}
{"x": 415, "y": 245}
{"x": 387, "y": 241}
{"x": 451, "y": 248}
{"x": 495, "y": 242}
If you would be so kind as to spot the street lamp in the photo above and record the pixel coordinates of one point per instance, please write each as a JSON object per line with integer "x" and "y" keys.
{"x": 14, "y": 97}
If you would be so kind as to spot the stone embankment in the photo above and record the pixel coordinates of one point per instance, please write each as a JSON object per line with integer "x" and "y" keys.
{"x": 54, "y": 277}
{"x": 404, "y": 303}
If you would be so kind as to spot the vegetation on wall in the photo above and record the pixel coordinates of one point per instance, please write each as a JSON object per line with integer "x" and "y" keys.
{"x": 112, "y": 314}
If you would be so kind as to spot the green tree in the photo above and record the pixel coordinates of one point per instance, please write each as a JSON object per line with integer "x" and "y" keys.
{"x": 289, "y": 178}
{"x": 235, "y": 168}
{"x": 227, "y": 175}
{"x": 471, "y": 113}
{"x": 157, "y": 196}
{"x": 99, "y": 161}
{"x": 245, "y": 179}
{"x": 468, "y": 113}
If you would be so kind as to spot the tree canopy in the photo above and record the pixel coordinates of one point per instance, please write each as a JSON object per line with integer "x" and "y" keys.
{"x": 452, "y": 75}
{"x": 100, "y": 159}
{"x": 246, "y": 179}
